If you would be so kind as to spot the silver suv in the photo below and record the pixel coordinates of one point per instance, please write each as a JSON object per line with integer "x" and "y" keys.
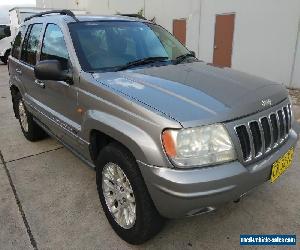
{"x": 168, "y": 135}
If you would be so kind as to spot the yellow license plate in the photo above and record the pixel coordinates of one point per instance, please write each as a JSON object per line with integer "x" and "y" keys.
{"x": 282, "y": 164}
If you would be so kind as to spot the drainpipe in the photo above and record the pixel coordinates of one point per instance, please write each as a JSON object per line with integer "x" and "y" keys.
{"x": 199, "y": 29}
{"x": 295, "y": 55}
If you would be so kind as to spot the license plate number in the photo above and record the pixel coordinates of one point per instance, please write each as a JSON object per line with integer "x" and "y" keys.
{"x": 282, "y": 164}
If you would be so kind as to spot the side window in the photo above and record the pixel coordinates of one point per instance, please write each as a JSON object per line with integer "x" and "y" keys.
{"x": 2, "y": 34}
{"x": 31, "y": 43}
{"x": 16, "y": 48}
{"x": 54, "y": 46}
{"x": 4, "y": 31}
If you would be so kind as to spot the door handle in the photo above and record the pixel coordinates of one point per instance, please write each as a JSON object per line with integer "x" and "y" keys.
{"x": 40, "y": 84}
{"x": 19, "y": 71}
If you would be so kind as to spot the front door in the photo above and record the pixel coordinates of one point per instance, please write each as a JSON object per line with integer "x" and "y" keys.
{"x": 224, "y": 30}
{"x": 59, "y": 98}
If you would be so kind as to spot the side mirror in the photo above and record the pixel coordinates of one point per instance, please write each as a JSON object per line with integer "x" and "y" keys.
{"x": 52, "y": 70}
{"x": 193, "y": 53}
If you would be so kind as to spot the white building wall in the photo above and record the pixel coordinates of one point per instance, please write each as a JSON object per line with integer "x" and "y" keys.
{"x": 168, "y": 10}
{"x": 61, "y": 4}
{"x": 264, "y": 37}
{"x": 112, "y": 7}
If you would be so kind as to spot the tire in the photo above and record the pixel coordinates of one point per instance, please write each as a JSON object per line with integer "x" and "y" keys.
{"x": 147, "y": 222}
{"x": 31, "y": 130}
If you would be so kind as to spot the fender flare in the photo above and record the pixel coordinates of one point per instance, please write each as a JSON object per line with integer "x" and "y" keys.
{"x": 140, "y": 143}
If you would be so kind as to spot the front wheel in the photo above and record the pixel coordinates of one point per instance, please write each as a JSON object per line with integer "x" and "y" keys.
{"x": 124, "y": 196}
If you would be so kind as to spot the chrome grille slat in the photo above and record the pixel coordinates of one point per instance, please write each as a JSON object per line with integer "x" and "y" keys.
{"x": 290, "y": 115}
{"x": 256, "y": 137}
{"x": 278, "y": 127}
{"x": 264, "y": 134}
{"x": 287, "y": 119}
{"x": 252, "y": 152}
{"x": 284, "y": 123}
{"x": 271, "y": 134}
{"x": 275, "y": 129}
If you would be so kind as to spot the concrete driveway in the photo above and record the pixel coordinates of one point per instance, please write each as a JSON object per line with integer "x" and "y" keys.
{"x": 48, "y": 200}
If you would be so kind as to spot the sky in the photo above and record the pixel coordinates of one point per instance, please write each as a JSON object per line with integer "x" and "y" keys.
{"x": 4, "y": 7}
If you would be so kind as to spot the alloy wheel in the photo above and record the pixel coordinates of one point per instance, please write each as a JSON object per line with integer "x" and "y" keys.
{"x": 118, "y": 194}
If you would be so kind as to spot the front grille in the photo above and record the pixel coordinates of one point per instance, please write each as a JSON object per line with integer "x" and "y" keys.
{"x": 260, "y": 136}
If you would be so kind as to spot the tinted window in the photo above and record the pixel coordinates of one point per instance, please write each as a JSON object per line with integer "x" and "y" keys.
{"x": 105, "y": 46}
{"x": 4, "y": 31}
{"x": 54, "y": 46}
{"x": 2, "y": 34}
{"x": 31, "y": 43}
{"x": 16, "y": 48}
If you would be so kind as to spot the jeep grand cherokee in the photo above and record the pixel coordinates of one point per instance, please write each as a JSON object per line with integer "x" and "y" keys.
{"x": 168, "y": 135}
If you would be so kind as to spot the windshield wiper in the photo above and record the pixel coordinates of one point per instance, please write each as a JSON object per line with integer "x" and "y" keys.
{"x": 181, "y": 58}
{"x": 143, "y": 62}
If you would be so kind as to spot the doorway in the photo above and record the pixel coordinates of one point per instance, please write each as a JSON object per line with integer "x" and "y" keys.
{"x": 223, "y": 43}
{"x": 179, "y": 30}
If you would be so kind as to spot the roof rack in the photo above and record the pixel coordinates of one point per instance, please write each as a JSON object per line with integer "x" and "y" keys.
{"x": 60, "y": 12}
{"x": 133, "y": 15}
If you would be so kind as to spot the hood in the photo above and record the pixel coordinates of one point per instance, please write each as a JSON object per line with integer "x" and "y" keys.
{"x": 195, "y": 93}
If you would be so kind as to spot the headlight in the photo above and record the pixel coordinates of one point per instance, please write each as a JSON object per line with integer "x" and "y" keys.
{"x": 199, "y": 146}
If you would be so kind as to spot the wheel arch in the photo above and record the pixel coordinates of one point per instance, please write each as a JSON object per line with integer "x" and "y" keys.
{"x": 109, "y": 128}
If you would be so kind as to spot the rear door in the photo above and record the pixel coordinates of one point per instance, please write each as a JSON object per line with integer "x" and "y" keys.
{"x": 14, "y": 65}
{"x": 27, "y": 62}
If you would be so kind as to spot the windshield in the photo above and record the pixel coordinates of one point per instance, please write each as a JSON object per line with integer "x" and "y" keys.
{"x": 3, "y": 34}
{"x": 105, "y": 46}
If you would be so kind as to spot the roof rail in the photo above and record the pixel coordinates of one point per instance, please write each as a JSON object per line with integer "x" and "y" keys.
{"x": 133, "y": 15}
{"x": 60, "y": 12}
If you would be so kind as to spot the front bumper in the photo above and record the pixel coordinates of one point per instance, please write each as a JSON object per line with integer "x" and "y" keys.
{"x": 178, "y": 193}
